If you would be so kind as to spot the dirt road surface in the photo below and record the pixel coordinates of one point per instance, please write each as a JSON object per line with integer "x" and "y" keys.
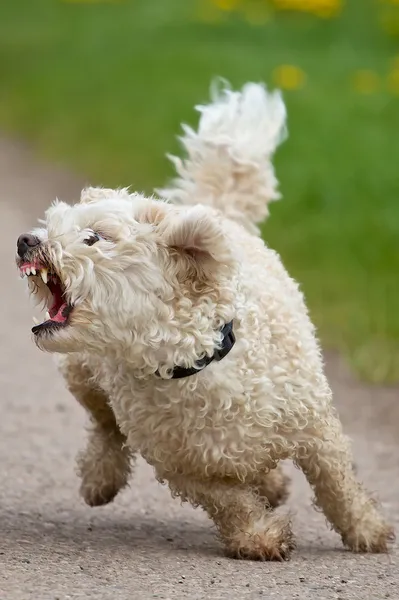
{"x": 146, "y": 545}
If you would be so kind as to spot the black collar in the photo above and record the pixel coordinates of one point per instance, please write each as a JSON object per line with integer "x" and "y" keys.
{"x": 228, "y": 342}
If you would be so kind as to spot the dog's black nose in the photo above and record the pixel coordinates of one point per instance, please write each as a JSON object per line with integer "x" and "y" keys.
{"x": 25, "y": 242}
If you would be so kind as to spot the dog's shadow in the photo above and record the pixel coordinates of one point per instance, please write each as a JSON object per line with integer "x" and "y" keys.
{"x": 30, "y": 534}
{"x": 31, "y": 531}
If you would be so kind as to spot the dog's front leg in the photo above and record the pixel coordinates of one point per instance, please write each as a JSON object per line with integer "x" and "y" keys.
{"x": 246, "y": 526}
{"x": 105, "y": 464}
{"x": 326, "y": 460}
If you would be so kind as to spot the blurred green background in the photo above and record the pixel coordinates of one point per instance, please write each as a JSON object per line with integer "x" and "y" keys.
{"x": 104, "y": 86}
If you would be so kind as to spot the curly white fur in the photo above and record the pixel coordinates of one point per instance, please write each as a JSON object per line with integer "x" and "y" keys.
{"x": 154, "y": 292}
{"x": 229, "y": 158}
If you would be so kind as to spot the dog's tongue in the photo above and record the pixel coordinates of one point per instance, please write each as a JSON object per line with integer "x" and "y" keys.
{"x": 57, "y": 309}
{"x": 58, "y": 317}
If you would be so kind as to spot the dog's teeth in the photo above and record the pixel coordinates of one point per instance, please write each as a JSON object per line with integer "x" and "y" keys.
{"x": 33, "y": 271}
{"x": 47, "y": 316}
{"x": 36, "y": 321}
{"x": 27, "y": 270}
{"x": 43, "y": 274}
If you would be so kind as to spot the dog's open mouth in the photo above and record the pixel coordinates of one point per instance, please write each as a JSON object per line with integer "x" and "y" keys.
{"x": 58, "y": 309}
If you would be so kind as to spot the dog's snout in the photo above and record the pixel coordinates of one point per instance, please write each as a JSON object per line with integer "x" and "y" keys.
{"x": 25, "y": 242}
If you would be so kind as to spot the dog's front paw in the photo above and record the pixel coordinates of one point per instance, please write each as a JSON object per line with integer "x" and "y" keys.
{"x": 274, "y": 543}
{"x": 98, "y": 495}
{"x": 103, "y": 475}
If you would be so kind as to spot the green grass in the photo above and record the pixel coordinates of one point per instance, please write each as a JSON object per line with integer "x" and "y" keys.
{"x": 104, "y": 87}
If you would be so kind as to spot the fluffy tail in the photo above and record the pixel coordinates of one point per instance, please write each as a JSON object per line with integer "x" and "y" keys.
{"x": 228, "y": 163}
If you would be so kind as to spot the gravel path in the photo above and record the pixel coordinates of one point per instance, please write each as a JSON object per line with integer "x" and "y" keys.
{"x": 145, "y": 545}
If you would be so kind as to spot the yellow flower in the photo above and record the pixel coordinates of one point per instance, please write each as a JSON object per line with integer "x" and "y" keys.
{"x": 255, "y": 11}
{"x": 320, "y": 8}
{"x": 226, "y": 4}
{"x": 366, "y": 81}
{"x": 289, "y": 77}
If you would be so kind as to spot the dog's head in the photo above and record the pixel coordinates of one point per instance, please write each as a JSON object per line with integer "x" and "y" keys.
{"x": 119, "y": 271}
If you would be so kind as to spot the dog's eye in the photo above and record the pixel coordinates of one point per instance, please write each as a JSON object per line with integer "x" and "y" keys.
{"x": 92, "y": 239}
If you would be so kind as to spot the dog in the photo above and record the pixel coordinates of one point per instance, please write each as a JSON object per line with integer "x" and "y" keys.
{"x": 183, "y": 336}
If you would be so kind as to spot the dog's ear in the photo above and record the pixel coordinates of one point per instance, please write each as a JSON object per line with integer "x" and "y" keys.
{"x": 196, "y": 230}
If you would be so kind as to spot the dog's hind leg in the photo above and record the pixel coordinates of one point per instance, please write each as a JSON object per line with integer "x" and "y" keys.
{"x": 105, "y": 465}
{"x": 246, "y": 526}
{"x": 326, "y": 459}
{"x": 272, "y": 486}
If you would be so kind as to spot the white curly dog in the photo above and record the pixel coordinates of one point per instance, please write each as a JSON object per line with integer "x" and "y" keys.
{"x": 186, "y": 340}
